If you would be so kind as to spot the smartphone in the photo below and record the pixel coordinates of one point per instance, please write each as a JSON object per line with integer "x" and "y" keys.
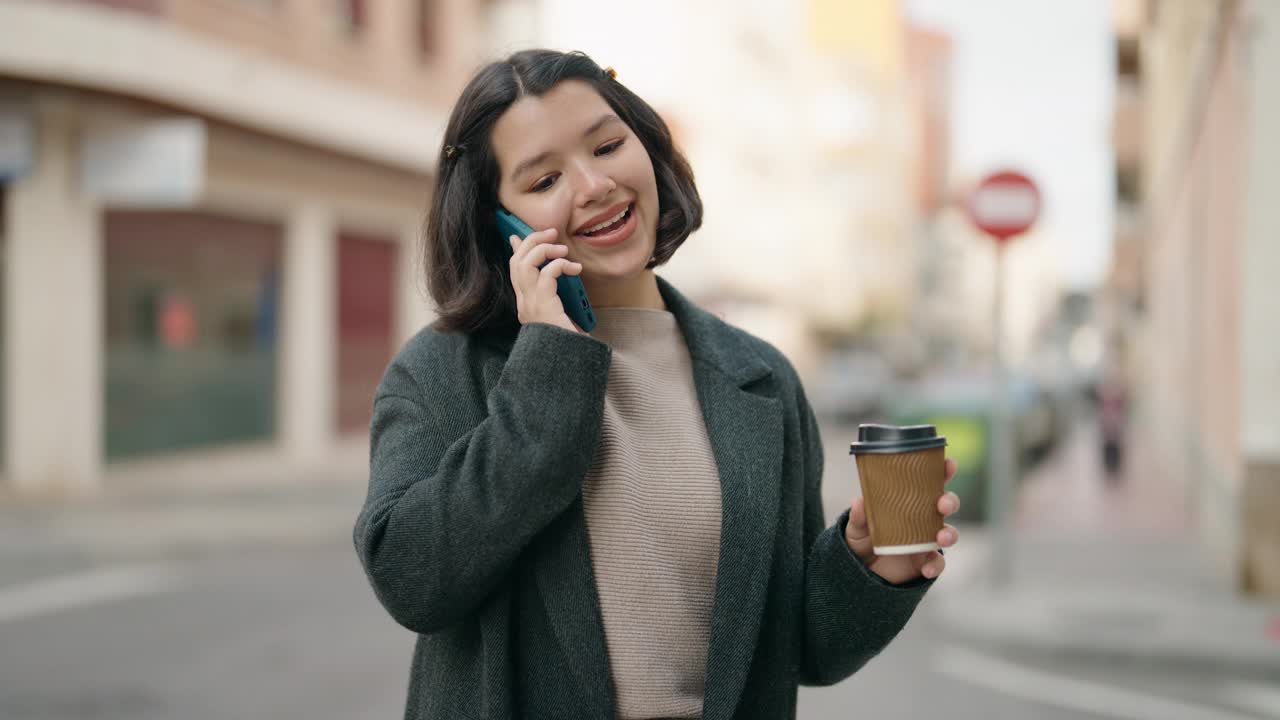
{"x": 569, "y": 287}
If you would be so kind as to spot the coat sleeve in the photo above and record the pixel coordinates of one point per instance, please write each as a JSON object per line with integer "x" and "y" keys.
{"x": 450, "y": 507}
{"x": 851, "y": 614}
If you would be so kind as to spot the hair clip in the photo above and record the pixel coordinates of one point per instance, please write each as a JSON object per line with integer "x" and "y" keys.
{"x": 450, "y": 151}
{"x": 613, "y": 74}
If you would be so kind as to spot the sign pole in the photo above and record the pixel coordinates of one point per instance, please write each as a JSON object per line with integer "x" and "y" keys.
{"x": 1000, "y": 495}
{"x": 1003, "y": 205}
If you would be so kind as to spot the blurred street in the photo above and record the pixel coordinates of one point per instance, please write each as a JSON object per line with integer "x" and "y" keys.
{"x": 1046, "y": 228}
{"x": 138, "y": 616}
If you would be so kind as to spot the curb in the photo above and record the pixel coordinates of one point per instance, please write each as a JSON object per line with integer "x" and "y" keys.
{"x": 1133, "y": 627}
{"x": 165, "y": 527}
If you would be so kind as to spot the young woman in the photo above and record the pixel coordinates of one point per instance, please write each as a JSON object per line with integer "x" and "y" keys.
{"x": 622, "y": 523}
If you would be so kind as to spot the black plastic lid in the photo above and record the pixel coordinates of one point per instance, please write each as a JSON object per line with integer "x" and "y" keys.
{"x": 895, "y": 439}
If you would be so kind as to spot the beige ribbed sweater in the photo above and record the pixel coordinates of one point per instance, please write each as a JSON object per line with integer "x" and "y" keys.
{"x": 652, "y": 500}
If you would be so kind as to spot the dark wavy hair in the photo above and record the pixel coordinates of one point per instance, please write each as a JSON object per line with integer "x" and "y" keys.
{"x": 464, "y": 259}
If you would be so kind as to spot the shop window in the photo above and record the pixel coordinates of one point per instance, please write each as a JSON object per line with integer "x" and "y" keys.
{"x": 427, "y": 42}
{"x": 4, "y": 353}
{"x": 191, "y": 307}
{"x": 1128, "y": 58}
{"x": 352, "y": 16}
{"x": 1127, "y": 185}
{"x": 148, "y": 7}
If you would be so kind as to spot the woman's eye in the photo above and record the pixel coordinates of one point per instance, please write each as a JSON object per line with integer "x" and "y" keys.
{"x": 544, "y": 184}
{"x": 609, "y": 148}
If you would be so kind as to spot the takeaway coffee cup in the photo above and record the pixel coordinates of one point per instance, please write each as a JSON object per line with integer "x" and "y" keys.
{"x": 902, "y": 472}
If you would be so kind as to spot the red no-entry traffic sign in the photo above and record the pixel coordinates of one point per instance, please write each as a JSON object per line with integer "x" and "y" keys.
{"x": 1004, "y": 204}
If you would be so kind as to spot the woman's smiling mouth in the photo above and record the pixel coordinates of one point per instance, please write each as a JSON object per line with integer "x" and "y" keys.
{"x": 610, "y": 227}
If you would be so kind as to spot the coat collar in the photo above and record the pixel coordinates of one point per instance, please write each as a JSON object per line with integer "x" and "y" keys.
{"x": 745, "y": 426}
{"x": 709, "y": 339}
{"x": 714, "y": 341}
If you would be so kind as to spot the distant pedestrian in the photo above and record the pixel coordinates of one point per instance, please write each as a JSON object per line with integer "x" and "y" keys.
{"x": 1113, "y": 420}
{"x": 623, "y": 523}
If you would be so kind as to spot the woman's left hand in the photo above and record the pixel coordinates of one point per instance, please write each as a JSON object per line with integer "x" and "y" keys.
{"x": 903, "y": 568}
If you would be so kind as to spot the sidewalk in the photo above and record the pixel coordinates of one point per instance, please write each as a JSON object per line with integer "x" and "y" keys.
{"x": 171, "y": 509}
{"x": 1109, "y": 574}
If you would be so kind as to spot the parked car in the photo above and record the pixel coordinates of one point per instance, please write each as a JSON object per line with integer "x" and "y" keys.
{"x": 853, "y": 386}
{"x": 960, "y": 404}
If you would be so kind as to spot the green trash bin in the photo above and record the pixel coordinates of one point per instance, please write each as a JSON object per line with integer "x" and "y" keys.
{"x": 959, "y": 405}
{"x": 968, "y": 444}
{"x": 961, "y": 413}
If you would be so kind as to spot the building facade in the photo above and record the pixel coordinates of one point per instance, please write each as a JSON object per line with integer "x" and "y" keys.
{"x": 208, "y": 218}
{"x": 1192, "y": 283}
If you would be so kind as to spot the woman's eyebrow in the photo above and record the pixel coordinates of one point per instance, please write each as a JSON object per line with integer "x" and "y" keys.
{"x": 600, "y": 122}
{"x": 527, "y": 165}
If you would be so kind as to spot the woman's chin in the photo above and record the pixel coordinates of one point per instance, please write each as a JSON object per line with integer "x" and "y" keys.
{"x": 611, "y": 272}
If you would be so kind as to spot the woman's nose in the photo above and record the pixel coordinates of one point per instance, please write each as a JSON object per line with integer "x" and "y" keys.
{"x": 594, "y": 186}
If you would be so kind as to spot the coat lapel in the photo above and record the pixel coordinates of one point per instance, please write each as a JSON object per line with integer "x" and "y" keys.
{"x": 745, "y": 429}
{"x": 567, "y": 585}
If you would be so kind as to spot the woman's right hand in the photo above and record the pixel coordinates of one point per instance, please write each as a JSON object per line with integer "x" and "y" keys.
{"x": 536, "y": 298}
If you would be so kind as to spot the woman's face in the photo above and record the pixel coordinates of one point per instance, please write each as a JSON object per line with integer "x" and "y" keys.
{"x": 568, "y": 162}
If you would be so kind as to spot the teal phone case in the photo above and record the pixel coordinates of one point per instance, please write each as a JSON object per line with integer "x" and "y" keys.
{"x": 569, "y": 287}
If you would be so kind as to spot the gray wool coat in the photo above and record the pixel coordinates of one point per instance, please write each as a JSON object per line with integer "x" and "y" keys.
{"x": 473, "y": 533}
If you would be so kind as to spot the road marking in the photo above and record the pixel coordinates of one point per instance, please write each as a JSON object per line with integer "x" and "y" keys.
{"x": 67, "y": 592}
{"x": 1069, "y": 693}
{"x": 1261, "y": 699}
